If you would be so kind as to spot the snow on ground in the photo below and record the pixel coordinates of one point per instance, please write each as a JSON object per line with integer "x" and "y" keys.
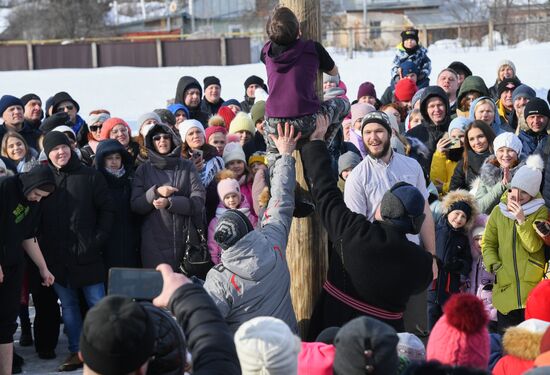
{"x": 128, "y": 92}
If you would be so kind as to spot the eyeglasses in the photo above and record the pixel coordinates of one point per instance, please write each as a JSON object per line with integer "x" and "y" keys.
{"x": 95, "y": 128}
{"x": 67, "y": 107}
{"x": 158, "y": 137}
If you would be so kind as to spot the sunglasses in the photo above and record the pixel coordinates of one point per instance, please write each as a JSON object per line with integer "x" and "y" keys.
{"x": 158, "y": 137}
{"x": 95, "y": 128}
{"x": 67, "y": 107}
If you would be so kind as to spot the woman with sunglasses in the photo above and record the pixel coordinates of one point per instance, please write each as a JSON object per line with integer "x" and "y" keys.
{"x": 95, "y": 123}
{"x": 168, "y": 193}
{"x": 118, "y": 129}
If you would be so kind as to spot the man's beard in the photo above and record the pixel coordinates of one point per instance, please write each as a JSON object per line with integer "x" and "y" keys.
{"x": 380, "y": 154}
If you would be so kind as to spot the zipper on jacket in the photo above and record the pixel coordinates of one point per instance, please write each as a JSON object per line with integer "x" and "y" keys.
{"x": 516, "y": 266}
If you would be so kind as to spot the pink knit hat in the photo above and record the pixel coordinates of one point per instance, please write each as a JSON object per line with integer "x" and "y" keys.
{"x": 460, "y": 336}
{"x": 214, "y": 129}
{"x": 359, "y": 110}
{"x": 228, "y": 185}
{"x": 316, "y": 358}
{"x": 110, "y": 123}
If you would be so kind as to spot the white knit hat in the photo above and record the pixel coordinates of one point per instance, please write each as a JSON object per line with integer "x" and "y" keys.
{"x": 509, "y": 140}
{"x": 233, "y": 151}
{"x": 529, "y": 176}
{"x": 504, "y": 62}
{"x": 64, "y": 129}
{"x": 266, "y": 345}
{"x": 186, "y": 125}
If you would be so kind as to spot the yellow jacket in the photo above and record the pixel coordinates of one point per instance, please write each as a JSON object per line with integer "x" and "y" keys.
{"x": 442, "y": 169}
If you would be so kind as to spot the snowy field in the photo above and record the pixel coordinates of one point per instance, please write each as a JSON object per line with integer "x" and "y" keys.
{"x": 128, "y": 92}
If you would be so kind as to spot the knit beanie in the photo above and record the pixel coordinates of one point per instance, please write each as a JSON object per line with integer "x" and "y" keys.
{"x": 405, "y": 89}
{"x": 166, "y": 117}
{"x": 233, "y": 151}
{"x": 509, "y": 140}
{"x": 408, "y": 67}
{"x": 118, "y": 336}
{"x": 361, "y": 335}
{"x": 316, "y": 358}
{"x": 537, "y": 305}
{"x": 227, "y": 115}
{"x": 460, "y": 67}
{"x": 242, "y": 122}
{"x": 417, "y": 96}
{"x": 529, "y": 176}
{"x": 506, "y": 84}
{"x": 403, "y": 206}
{"x": 458, "y": 123}
{"x": 409, "y": 34}
{"x": 461, "y": 206}
{"x": 366, "y": 89}
{"x": 187, "y": 125}
{"x": 148, "y": 116}
{"x": 28, "y": 97}
{"x": 378, "y": 117}
{"x": 66, "y": 129}
{"x": 211, "y": 80}
{"x": 227, "y": 186}
{"x": 257, "y": 112}
{"x": 176, "y": 107}
{"x": 254, "y": 80}
{"x": 328, "y": 78}
{"x": 231, "y": 102}
{"x": 214, "y": 129}
{"x": 506, "y": 62}
{"x": 8, "y": 101}
{"x": 39, "y": 177}
{"x": 359, "y": 110}
{"x": 110, "y": 123}
{"x": 348, "y": 160}
{"x": 266, "y": 346}
{"x": 232, "y": 226}
{"x": 523, "y": 91}
{"x": 536, "y": 106}
{"x": 97, "y": 118}
{"x": 460, "y": 336}
{"x": 54, "y": 139}
{"x": 410, "y": 347}
{"x": 257, "y": 157}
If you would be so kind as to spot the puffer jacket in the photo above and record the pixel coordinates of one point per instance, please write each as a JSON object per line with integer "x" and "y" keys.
{"x": 498, "y": 125}
{"x": 464, "y": 180}
{"x": 163, "y": 231}
{"x": 253, "y": 277}
{"x": 522, "y": 346}
{"x": 442, "y": 169}
{"x": 488, "y": 187}
{"x": 530, "y": 141}
{"x": 515, "y": 253}
{"x": 419, "y": 58}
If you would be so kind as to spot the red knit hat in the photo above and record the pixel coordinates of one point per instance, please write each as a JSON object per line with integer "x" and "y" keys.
{"x": 110, "y": 123}
{"x": 227, "y": 115}
{"x": 405, "y": 90}
{"x": 537, "y": 305}
{"x": 214, "y": 129}
{"x": 315, "y": 358}
{"x": 460, "y": 336}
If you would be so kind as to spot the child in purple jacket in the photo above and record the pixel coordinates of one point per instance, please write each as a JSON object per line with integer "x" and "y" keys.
{"x": 292, "y": 65}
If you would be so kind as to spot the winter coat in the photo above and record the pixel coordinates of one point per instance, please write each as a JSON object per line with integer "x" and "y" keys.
{"x": 253, "y": 277}
{"x": 88, "y": 153}
{"x": 247, "y": 103}
{"x": 530, "y": 141}
{"x": 122, "y": 249}
{"x": 522, "y": 348}
{"x": 464, "y": 180}
{"x": 164, "y": 231}
{"x": 213, "y": 247}
{"x": 498, "y": 125}
{"x": 543, "y": 149}
{"x": 210, "y": 108}
{"x": 373, "y": 263}
{"x": 419, "y": 58}
{"x": 75, "y": 224}
{"x": 196, "y": 113}
{"x": 515, "y": 254}
{"x": 472, "y": 83}
{"x": 488, "y": 187}
{"x": 442, "y": 169}
{"x": 208, "y": 338}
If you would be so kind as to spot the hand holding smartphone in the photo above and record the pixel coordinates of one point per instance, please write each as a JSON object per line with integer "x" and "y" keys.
{"x": 136, "y": 283}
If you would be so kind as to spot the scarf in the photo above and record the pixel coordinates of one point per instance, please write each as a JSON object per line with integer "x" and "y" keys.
{"x": 528, "y": 208}
{"x": 118, "y": 173}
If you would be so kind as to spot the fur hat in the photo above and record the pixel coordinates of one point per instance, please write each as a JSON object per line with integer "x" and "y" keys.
{"x": 460, "y": 336}
{"x": 410, "y": 347}
{"x": 359, "y": 110}
{"x": 233, "y": 151}
{"x": 215, "y": 121}
{"x": 523, "y": 341}
{"x": 509, "y": 140}
{"x": 405, "y": 89}
{"x": 214, "y": 129}
{"x": 458, "y": 196}
{"x": 187, "y": 125}
{"x": 266, "y": 346}
{"x": 529, "y": 176}
{"x": 110, "y": 123}
{"x": 227, "y": 183}
{"x": 366, "y": 89}
{"x": 242, "y": 122}
{"x": 537, "y": 305}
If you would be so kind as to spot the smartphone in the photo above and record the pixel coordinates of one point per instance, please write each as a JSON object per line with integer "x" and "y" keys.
{"x": 455, "y": 143}
{"x": 136, "y": 283}
{"x": 542, "y": 227}
{"x": 197, "y": 154}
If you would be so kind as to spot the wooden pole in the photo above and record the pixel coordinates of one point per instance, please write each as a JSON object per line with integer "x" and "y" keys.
{"x": 307, "y": 244}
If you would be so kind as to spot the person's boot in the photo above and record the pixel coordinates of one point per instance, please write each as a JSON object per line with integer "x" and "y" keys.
{"x": 71, "y": 363}
{"x": 17, "y": 363}
{"x": 26, "y": 332}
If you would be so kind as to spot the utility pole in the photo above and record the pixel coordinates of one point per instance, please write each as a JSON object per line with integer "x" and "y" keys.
{"x": 306, "y": 254}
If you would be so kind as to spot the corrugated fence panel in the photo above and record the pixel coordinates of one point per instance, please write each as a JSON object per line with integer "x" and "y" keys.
{"x": 58, "y": 56}
{"x": 238, "y": 51}
{"x": 192, "y": 52}
{"x": 13, "y": 58}
{"x": 142, "y": 54}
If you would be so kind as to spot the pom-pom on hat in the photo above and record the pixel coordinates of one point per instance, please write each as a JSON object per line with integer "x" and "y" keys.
{"x": 460, "y": 336}
{"x": 509, "y": 140}
{"x": 529, "y": 176}
{"x": 316, "y": 358}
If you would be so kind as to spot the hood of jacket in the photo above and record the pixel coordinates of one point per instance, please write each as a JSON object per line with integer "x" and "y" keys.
{"x": 251, "y": 258}
{"x": 461, "y": 195}
{"x": 430, "y": 92}
{"x": 490, "y": 174}
{"x": 496, "y": 122}
{"x": 523, "y": 341}
{"x": 163, "y": 161}
{"x": 185, "y": 83}
{"x": 108, "y": 147}
{"x": 288, "y": 58}
{"x": 472, "y": 83}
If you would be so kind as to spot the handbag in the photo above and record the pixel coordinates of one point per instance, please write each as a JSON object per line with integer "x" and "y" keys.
{"x": 196, "y": 259}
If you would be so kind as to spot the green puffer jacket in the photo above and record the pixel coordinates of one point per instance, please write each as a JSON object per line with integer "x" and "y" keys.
{"x": 516, "y": 254}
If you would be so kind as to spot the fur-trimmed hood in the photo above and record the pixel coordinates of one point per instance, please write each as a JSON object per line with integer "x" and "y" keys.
{"x": 491, "y": 173}
{"x": 523, "y": 341}
{"x": 458, "y": 196}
